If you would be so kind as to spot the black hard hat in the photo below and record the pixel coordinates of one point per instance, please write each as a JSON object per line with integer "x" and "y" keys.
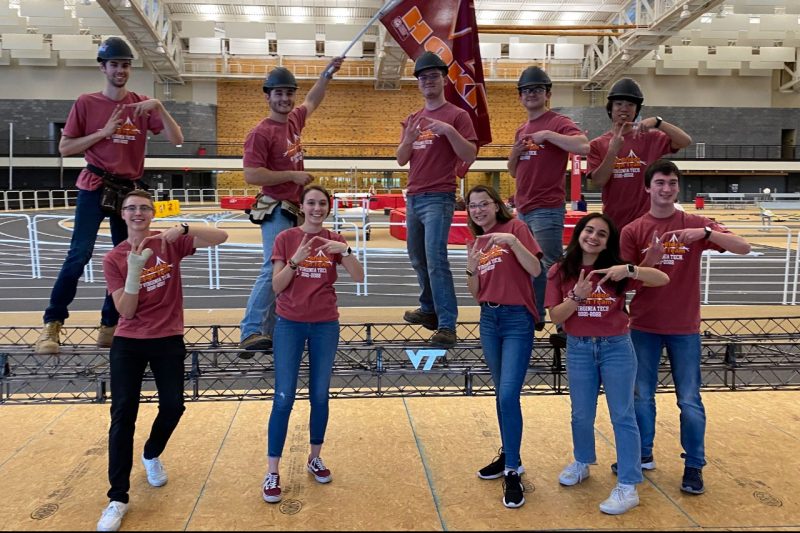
{"x": 279, "y": 77}
{"x": 429, "y": 60}
{"x": 534, "y": 76}
{"x": 114, "y": 48}
{"x": 625, "y": 89}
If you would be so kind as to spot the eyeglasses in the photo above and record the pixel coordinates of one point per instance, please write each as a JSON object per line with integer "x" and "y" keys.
{"x": 533, "y": 90}
{"x": 135, "y": 208}
{"x": 433, "y": 76}
{"x": 479, "y": 207}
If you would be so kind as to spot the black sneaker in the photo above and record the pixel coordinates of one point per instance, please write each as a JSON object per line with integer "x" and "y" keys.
{"x": 496, "y": 468}
{"x": 418, "y": 316}
{"x": 512, "y": 491}
{"x": 648, "y": 463}
{"x": 692, "y": 480}
{"x": 444, "y": 338}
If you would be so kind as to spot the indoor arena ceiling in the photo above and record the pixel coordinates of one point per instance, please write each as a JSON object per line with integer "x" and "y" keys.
{"x": 180, "y": 39}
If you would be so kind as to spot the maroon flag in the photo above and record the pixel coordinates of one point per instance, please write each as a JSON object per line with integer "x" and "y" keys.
{"x": 447, "y": 28}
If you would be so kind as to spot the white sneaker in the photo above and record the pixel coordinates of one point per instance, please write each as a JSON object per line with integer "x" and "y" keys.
{"x": 574, "y": 473}
{"x": 156, "y": 475}
{"x": 112, "y": 516}
{"x": 623, "y": 498}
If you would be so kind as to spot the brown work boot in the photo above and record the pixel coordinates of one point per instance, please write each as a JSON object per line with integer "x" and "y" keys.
{"x": 444, "y": 338}
{"x": 255, "y": 343}
{"x": 418, "y": 316}
{"x": 49, "y": 338}
{"x": 105, "y": 335}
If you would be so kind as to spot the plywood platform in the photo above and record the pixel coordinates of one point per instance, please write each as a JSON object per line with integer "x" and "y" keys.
{"x": 398, "y": 464}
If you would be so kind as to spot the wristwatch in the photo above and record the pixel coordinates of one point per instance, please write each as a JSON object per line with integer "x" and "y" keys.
{"x": 631, "y": 270}
{"x": 659, "y": 120}
{"x": 185, "y": 227}
{"x": 469, "y": 273}
{"x": 347, "y": 252}
{"x": 708, "y": 233}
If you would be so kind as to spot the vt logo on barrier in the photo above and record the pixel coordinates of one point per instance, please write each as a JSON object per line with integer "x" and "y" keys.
{"x": 429, "y": 356}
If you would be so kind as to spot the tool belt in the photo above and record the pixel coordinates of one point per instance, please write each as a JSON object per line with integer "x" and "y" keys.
{"x": 114, "y": 191}
{"x": 265, "y": 207}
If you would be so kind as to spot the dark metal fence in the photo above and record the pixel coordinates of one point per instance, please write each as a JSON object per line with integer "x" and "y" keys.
{"x": 381, "y": 360}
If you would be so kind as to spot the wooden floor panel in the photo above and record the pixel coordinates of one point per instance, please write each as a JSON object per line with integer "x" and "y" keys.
{"x": 399, "y": 464}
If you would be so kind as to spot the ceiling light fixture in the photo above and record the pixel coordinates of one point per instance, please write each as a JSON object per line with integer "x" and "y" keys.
{"x": 685, "y": 11}
{"x": 625, "y": 56}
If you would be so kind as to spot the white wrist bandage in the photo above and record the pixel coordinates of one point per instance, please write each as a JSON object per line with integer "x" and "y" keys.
{"x": 135, "y": 265}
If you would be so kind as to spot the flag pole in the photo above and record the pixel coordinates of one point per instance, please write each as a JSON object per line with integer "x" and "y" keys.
{"x": 391, "y": 4}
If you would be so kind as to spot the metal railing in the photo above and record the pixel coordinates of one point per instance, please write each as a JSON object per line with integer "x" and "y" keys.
{"x": 200, "y": 149}
{"x": 768, "y": 275}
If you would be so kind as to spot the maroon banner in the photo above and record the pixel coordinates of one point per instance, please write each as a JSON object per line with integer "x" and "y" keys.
{"x": 447, "y": 28}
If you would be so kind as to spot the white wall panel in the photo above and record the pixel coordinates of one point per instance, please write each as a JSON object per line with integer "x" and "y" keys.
{"x": 291, "y": 47}
{"x": 490, "y": 50}
{"x": 292, "y": 32}
{"x": 197, "y": 28}
{"x": 73, "y": 42}
{"x": 336, "y": 48}
{"x": 40, "y": 8}
{"x": 527, "y": 50}
{"x": 568, "y": 51}
{"x": 23, "y": 41}
{"x": 245, "y": 30}
{"x": 204, "y": 45}
{"x": 255, "y": 47}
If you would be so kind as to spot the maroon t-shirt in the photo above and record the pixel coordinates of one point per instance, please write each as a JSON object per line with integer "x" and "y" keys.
{"x": 502, "y": 280}
{"x": 121, "y": 154}
{"x": 433, "y": 163}
{"x": 673, "y": 309}
{"x": 624, "y": 196}
{"x": 601, "y": 315}
{"x": 310, "y": 296}
{"x": 277, "y": 146}
{"x": 160, "y": 310}
{"x": 541, "y": 167}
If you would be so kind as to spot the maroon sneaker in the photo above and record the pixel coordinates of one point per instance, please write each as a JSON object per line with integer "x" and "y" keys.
{"x": 317, "y": 467}
{"x": 271, "y": 490}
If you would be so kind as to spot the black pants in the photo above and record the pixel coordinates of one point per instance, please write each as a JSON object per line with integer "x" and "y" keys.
{"x": 129, "y": 358}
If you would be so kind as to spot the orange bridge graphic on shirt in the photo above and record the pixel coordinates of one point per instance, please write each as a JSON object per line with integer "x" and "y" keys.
{"x": 125, "y": 132}
{"x": 424, "y": 138}
{"x": 155, "y": 276}
{"x": 489, "y": 259}
{"x": 596, "y": 304}
{"x": 294, "y": 149}
{"x": 315, "y": 266}
{"x": 674, "y": 250}
{"x": 628, "y": 167}
{"x": 530, "y": 148}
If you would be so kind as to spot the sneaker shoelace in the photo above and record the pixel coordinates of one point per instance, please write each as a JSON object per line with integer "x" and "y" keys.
{"x": 316, "y": 464}
{"x": 575, "y": 469}
{"x": 112, "y": 511}
{"x": 519, "y": 486}
{"x": 271, "y": 481}
{"x": 155, "y": 466}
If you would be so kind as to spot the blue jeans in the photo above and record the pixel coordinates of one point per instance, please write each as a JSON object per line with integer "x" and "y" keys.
{"x": 259, "y": 315}
{"x": 612, "y": 362}
{"x": 88, "y": 217}
{"x": 288, "y": 346}
{"x": 684, "y": 361}
{"x": 547, "y": 226}
{"x": 428, "y": 220}
{"x": 507, "y": 340}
